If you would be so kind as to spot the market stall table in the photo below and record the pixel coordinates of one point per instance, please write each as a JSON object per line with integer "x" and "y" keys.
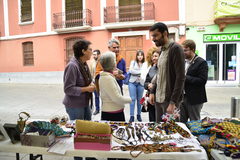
{"x": 68, "y": 146}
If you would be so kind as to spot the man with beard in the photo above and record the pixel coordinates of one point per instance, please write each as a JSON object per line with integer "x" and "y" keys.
{"x": 196, "y": 70}
{"x": 167, "y": 91}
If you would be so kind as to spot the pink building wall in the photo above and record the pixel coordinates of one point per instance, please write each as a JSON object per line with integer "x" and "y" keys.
{"x": 39, "y": 24}
{"x": 2, "y": 28}
{"x": 46, "y": 55}
{"x": 56, "y": 7}
{"x": 166, "y": 10}
{"x": 94, "y": 6}
{"x": 50, "y": 50}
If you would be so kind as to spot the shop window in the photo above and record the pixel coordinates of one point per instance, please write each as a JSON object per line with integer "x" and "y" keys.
{"x": 26, "y": 10}
{"x": 28, "y": 57}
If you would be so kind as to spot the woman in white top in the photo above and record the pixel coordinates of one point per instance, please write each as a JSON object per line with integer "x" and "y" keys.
{"x": 113, "y": 102}
{"x": 135, "y": 85}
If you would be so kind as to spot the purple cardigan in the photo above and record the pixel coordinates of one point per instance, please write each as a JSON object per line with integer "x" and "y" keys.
{"x": 73, "y": 80}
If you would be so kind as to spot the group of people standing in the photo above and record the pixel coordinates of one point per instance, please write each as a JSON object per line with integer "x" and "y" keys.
{"x": 173, "y": 75}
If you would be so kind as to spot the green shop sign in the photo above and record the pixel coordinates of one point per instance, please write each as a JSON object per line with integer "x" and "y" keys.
{"x": 221, "y": 37}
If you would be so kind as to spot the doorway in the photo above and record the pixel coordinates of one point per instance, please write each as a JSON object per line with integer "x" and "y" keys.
{"x": 222, "y": 59}
{"x": 128, "y": 47}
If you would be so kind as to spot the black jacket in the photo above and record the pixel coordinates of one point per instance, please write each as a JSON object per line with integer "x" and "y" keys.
{"x": 196, "y": 78}
{"x": 151, "y": 73}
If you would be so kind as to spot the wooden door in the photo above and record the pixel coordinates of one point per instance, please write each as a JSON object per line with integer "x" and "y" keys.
{"x": 128, "y": 47}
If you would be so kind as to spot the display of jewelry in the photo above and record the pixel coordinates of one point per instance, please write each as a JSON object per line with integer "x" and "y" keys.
{"x": 151, "y": 137}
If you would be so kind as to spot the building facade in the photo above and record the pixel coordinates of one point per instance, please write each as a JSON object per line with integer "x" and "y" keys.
{"x": 36, "y": 36}
{"x": 216, "y": 29}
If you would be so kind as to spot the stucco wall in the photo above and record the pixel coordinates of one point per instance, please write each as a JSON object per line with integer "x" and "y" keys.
{"x": 199, "y": 12}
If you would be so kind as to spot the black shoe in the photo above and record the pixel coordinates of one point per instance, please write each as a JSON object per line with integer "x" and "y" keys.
{"x": 96, "y": 112}
{"x": 139, "y": 118}
{"x": 131, "y": 119}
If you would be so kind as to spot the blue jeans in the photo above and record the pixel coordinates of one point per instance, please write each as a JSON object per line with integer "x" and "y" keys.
{"x": 83, "y": 113}
{"x": 136, "y": 93}
{"x": 96, "y": 100}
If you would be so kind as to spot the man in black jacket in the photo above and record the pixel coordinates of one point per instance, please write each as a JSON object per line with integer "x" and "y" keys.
{"x": 196, "y": 70}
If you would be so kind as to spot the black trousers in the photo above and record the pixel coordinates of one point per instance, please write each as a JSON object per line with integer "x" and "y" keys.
{"x": 151, "y": 112}
{"x": 113, "y": 116}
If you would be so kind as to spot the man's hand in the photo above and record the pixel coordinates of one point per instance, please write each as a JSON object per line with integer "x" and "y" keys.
{"x": 151, "y": 99}
{"x": 171, "y": 108}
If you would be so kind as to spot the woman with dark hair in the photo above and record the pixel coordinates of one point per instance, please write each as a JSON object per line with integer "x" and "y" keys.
{"x": 78, "y": 86}
{"x": 135, "y": 85}
{"x": 148, "y": 85}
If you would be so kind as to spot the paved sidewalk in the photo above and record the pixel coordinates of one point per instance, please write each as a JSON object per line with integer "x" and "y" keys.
{"x": 45, "y": 102}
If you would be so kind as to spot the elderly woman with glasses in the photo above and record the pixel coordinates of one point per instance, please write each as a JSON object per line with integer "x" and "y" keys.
{"x": 113, "y": 102}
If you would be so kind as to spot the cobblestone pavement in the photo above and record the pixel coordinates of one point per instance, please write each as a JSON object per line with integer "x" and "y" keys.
{"x": 45, "y": 101}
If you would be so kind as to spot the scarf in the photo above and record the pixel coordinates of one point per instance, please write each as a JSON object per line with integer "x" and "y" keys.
{"x": 84, "y": 69}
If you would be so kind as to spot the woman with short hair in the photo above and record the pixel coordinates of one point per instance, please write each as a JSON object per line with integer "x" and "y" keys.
{"x": 78, "y": 86}
{"x": 113, "y": 102}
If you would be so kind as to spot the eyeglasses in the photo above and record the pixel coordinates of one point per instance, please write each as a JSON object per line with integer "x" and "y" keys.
{"x": 115, "y": 47}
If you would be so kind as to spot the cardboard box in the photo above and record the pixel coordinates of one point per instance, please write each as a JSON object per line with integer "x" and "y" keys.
{"x": 37, "y": 140}
{"x": 92, "y": 141}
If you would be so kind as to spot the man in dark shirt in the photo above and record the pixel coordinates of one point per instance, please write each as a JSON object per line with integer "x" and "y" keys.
{"x": 196, "y": 70}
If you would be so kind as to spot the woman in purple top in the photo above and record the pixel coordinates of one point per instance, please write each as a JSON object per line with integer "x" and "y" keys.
{"x": 78, "y": 86}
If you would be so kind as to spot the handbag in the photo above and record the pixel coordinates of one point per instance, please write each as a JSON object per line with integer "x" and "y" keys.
{"x": 126, "y": 80}
{"x": 143, "y": 102}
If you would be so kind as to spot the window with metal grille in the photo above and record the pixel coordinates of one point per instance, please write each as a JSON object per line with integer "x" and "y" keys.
{"x": 129, "y": 10}
{"x": 28, "y": 57}
{"x": 73, "y": 13}
{"x": 26, "y": 10}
